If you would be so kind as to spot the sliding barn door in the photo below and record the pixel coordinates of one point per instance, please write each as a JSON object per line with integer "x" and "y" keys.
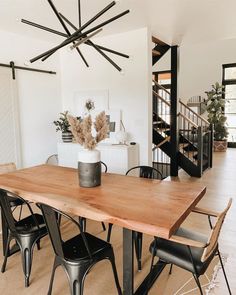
{"x": 10, "y": 146}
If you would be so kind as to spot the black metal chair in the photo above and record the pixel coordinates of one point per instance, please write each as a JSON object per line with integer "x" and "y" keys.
{"x": 144, "y": 172}
{"x": 6, "y": 168}
{"x": 78, "y": 254}
{"x": 27, "y": 231}
{"x": 52, "y": 160}
{"x": 190, "y": 250}
{"x": 83, "y": 220}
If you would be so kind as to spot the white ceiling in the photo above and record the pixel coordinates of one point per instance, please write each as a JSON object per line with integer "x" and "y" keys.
{"x": 174, "y": 21}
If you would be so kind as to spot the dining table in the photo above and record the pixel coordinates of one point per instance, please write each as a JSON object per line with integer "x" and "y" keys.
{"x": 153, "y": 207}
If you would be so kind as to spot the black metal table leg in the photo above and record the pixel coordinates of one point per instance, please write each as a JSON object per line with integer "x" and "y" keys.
{"x": 128, "y": 268}
{"x": 128, "y": 262}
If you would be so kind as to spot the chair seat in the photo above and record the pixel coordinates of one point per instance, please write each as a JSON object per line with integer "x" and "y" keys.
{"x": 27, "y": 225}
{"x": 177, "y": 254}
{"x": 75, "y": 250}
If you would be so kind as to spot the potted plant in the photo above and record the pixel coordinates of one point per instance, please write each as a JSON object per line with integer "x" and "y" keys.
{"x": 89, "y": 160}
{"x": 63, "y": 125}
{"x": 216, "y": 117}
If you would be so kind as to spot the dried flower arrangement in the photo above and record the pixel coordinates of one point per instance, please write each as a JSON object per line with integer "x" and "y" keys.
{"x": 82, "y": 130}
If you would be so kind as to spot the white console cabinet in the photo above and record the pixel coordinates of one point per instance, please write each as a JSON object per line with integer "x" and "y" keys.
{"x": 118, "y": 158}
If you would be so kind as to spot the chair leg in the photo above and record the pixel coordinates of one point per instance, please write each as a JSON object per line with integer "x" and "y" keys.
{"x": 38, "y": 244}
{"x": 27, "y": 255}
{"x": 109, "y": 232}
{"x": 6, "y": 254}
{"x": 83, "y": 223}
{"x": 55, "y": 265}
{"x": 222, "y": 265}
{"x": 112, "y": 260}
{"x": 138, "y": 249}
{"x": 171, "y": 266}
{"x": 103, "y": 226}
{"x": 198, "y": 283}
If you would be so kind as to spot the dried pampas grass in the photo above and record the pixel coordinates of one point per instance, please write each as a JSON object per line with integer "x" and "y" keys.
{"x": 82, "y": 130}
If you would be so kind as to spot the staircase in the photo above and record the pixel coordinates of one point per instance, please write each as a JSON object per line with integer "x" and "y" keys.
{"x": 194, "y": 132}
{"x": 159, "y": 50}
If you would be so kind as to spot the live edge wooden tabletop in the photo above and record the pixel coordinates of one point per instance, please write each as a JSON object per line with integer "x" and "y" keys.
{"x": 150, "y": 206}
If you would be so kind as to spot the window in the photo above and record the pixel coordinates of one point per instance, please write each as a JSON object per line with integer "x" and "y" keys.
{"x": 229, "y": 81}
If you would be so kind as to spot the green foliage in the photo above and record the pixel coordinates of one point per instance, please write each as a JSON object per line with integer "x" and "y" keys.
{"x": 62, "y": 123}
{"x": 215, "y": 108}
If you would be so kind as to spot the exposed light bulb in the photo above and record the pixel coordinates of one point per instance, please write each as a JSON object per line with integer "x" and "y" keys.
{"x": 122, "y": 72}
{"x": 27, "y": 63}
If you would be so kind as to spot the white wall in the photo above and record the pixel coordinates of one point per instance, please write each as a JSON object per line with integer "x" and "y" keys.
{"x": 39, "y": 96}
{"x": 201, "y": 65}
{"x": 131, "y": 92}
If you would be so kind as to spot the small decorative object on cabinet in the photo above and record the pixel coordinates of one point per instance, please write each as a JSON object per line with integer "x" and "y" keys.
{"x": 89, "y": 161}
{"x": 215, "y": 108}
{"x": 122, "y": 135}
{"x": 63, "y": 125}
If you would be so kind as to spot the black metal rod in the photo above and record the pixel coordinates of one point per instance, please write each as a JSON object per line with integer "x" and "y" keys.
{"x": 28, "y": 69}
{"x": 44, "y": 28}
{"x": 128, "y": 263}
{"x": 79, "y": 13}
{"x": 100, "y": 47}
{"x": 12, "y": 65}
{"x": 65, "y": 28}
{"x": 77, "y": 33}
{"x": 105, "y": 56}
{"x": 109, "y": 50}
{"x": 76, "y": 36}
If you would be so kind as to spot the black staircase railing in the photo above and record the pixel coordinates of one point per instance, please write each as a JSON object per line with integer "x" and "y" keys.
{"x": 195, "y": 135}
{"x": 161, "y": 125}
{"x": 195, "y": 117}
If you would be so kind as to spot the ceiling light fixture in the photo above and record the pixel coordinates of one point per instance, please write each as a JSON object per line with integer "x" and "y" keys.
{"x": 79, "y": 36}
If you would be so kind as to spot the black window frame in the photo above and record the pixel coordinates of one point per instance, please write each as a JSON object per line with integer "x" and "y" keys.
{"x": 225, "y": 83}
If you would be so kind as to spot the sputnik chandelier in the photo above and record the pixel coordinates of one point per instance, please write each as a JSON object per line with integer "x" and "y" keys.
{"x": 80, "y": 35}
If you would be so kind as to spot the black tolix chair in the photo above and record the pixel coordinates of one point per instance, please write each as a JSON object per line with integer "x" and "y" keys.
{"x": 27, "y": 231}
{"x": 144, "y": 172}
{"x": 78, "y": 254}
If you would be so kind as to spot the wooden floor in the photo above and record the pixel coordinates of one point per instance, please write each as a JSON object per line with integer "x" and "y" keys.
{"x": 221, "y": 185}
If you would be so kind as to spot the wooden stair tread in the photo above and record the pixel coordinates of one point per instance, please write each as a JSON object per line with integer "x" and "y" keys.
{"x": 156, "y": 53}
{"x": 157, "y": 41}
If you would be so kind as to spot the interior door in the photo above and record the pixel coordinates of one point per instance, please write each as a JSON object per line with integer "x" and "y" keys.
{"x": 10, "y": 145}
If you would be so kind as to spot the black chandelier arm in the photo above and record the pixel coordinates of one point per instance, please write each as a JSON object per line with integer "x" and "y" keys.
{"x": 104, "y": 55}
{"x": 68, "y": 22}
{"x": 87, "y": 43}
{"x": 66, "y": 29}
{"x": 109, "y": 50}
{"x": 24, "y": 21}
{"x": 79, "y": 13}
{"x": 78, "y": 34}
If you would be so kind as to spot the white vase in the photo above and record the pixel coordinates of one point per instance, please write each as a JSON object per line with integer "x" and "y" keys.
{"x": 89, "y": 168}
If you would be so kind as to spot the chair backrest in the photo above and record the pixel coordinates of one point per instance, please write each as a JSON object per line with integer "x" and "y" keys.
{"x": 52, "y": 216}
{"x": 146, "y": 172}
{"x": 8, "y": 167}
{"x": 5, "y": 201}
{"x": 52, "y": 160}
{"x": 215, "y": 232}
